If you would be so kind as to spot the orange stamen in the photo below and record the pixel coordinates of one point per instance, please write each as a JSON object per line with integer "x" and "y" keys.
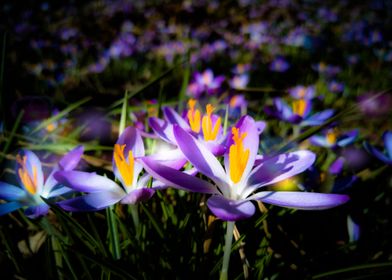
{"x": 331, "y": 137}
{"x": 29, "y": 183}
{"x": 125, "y": 168}
{"x": 238, "y": 156}
{"x": 210, "y": 132}
{"x": 299, "y": 107}
{"x": 193, "y": 116}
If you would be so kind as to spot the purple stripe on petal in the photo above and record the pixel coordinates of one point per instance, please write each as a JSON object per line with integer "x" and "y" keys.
{"x": 34, "y": 212}
{"x": 199, "y": 155}
{"x": 138, "y": 195}
{"x": 177, "y": 179}
{"x": 301, "y": 200}
{"x": 260, "y": 125}
{"x": 6, "y": 208}
{"x": 71, "y": 159}
{"x": 348, "y": 138}
{"x": 92, "y": 201}
{"x": 230, "y": 210}
{"x": 174, "y": 118}
{"x": 278, "y": 168}
{"x": 85, "y": 181}
{"x": 174, "y": 158}
{"x": 10, "y": 192}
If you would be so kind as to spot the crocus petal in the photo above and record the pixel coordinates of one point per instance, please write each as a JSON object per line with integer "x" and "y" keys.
{"x": 34, "y": 212}
{"x": 318, "y": 118}
{"x": 278, "y": 168}
{"x": 320, "y": 141}
{"x": 175, "y": 178}
{"x": 58, "y": 191}
{"x": 33, "y": 162}
{"x": 6, "y": 208}
{"x": 163, "y": 129}
{"x": 337, "y": 166}
{"x": 138, "y": 195}
{"x": 174, "y": 118}
{"x": 283, "y": 109}
{"x": 301, "y": 200}
{"x": 230, "y": 210}
{"x": 348, "y": 138}
{"x": 10, "y": 192}
{"x": 92, "y": 201}
{"x": 174, "y": 158}
{"x": 260, "y": 126}
{"x": 85, "y": 181}
{"x": 199, "y": 156}
{"x": 377, "y": 153}
{"x": 245, "y": 125}
{"x": 71, "y": 159}
{"x": 387, "y": 137}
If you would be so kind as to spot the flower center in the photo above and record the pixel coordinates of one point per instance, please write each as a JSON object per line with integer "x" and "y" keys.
{"x": 209, "y": 131}
{"x": 125, "y": 167}
{"x": 331, "y": 137}
{"x": 193, "y": 116}
{"x": 299, "y": 107}
{"x": 29, "y": 183}
{"x": 238, "y": 156}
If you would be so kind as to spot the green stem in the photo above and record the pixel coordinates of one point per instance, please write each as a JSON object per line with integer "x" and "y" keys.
{"x": 135, "y": 216}
{"x": 113, "y": 233}
{"x": 227, "y": 250}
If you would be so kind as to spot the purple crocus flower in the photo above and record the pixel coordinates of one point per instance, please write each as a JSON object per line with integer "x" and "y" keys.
{"x": 302, "y": 92}
{"x": 299, "y": 113}
{"x": 330, "y": 139}
{"x": 235, "y": 183}
{"x": 205, "y": 82}
{"x": 207, "y": 128}
{"x": 385, "y": 157}
{"x": 279, "y": 64}
{"x": 104, "y": 192}
{"x": 335, "y": 86}
{"x": 33, "y": 185}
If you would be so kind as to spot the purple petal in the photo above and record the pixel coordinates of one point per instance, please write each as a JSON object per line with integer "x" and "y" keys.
{"x": 278, "y": 168}
{"x": 245, "y": 125}
{"x": 377, "y": 153}
{"x": 174, "y": 158}
{"x": 320, "y": 141}
{"x": 175, "y": 178}
{"x": 34, "y": 212}
{"x": 199, "y": 155}
{"x": 387, "y": 137}
{"x": 10, "y": 192}
{"x": 71, "y": 159}
{"x": 230, "y": 210}
{"x": 85, "y": 181}
{"x": 174, "y": 118}
{"x": 318, "y": 118}
{"x": 6, "y": 208}
{"x": 163, "y": 129}
{"x": 260, "y": 125}
{"x": 138, "y": 195}
{"x": 92, "y": 201}
{"x": 301, "y": 200}
{"x": 348, "y": 138}
{"x": 337, "y": 166}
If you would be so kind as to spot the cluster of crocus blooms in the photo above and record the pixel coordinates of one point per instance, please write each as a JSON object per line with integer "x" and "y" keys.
{"x": 197, "y": 139}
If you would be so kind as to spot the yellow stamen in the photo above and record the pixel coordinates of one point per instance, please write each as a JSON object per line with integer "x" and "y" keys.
{"x": 331, "y": 137}
{"x": 29, "y": 183}
{"x": 238, "y": 156}
{"x": 193, "y": 116}
{"x": 299, "y": 107}
{"x": 233, "y": 101}
{"x": 210, "y": 132}
{"x": 301, "y": 92}
{"x": 125, "y": 168}
{"x": 50, "y": 127}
